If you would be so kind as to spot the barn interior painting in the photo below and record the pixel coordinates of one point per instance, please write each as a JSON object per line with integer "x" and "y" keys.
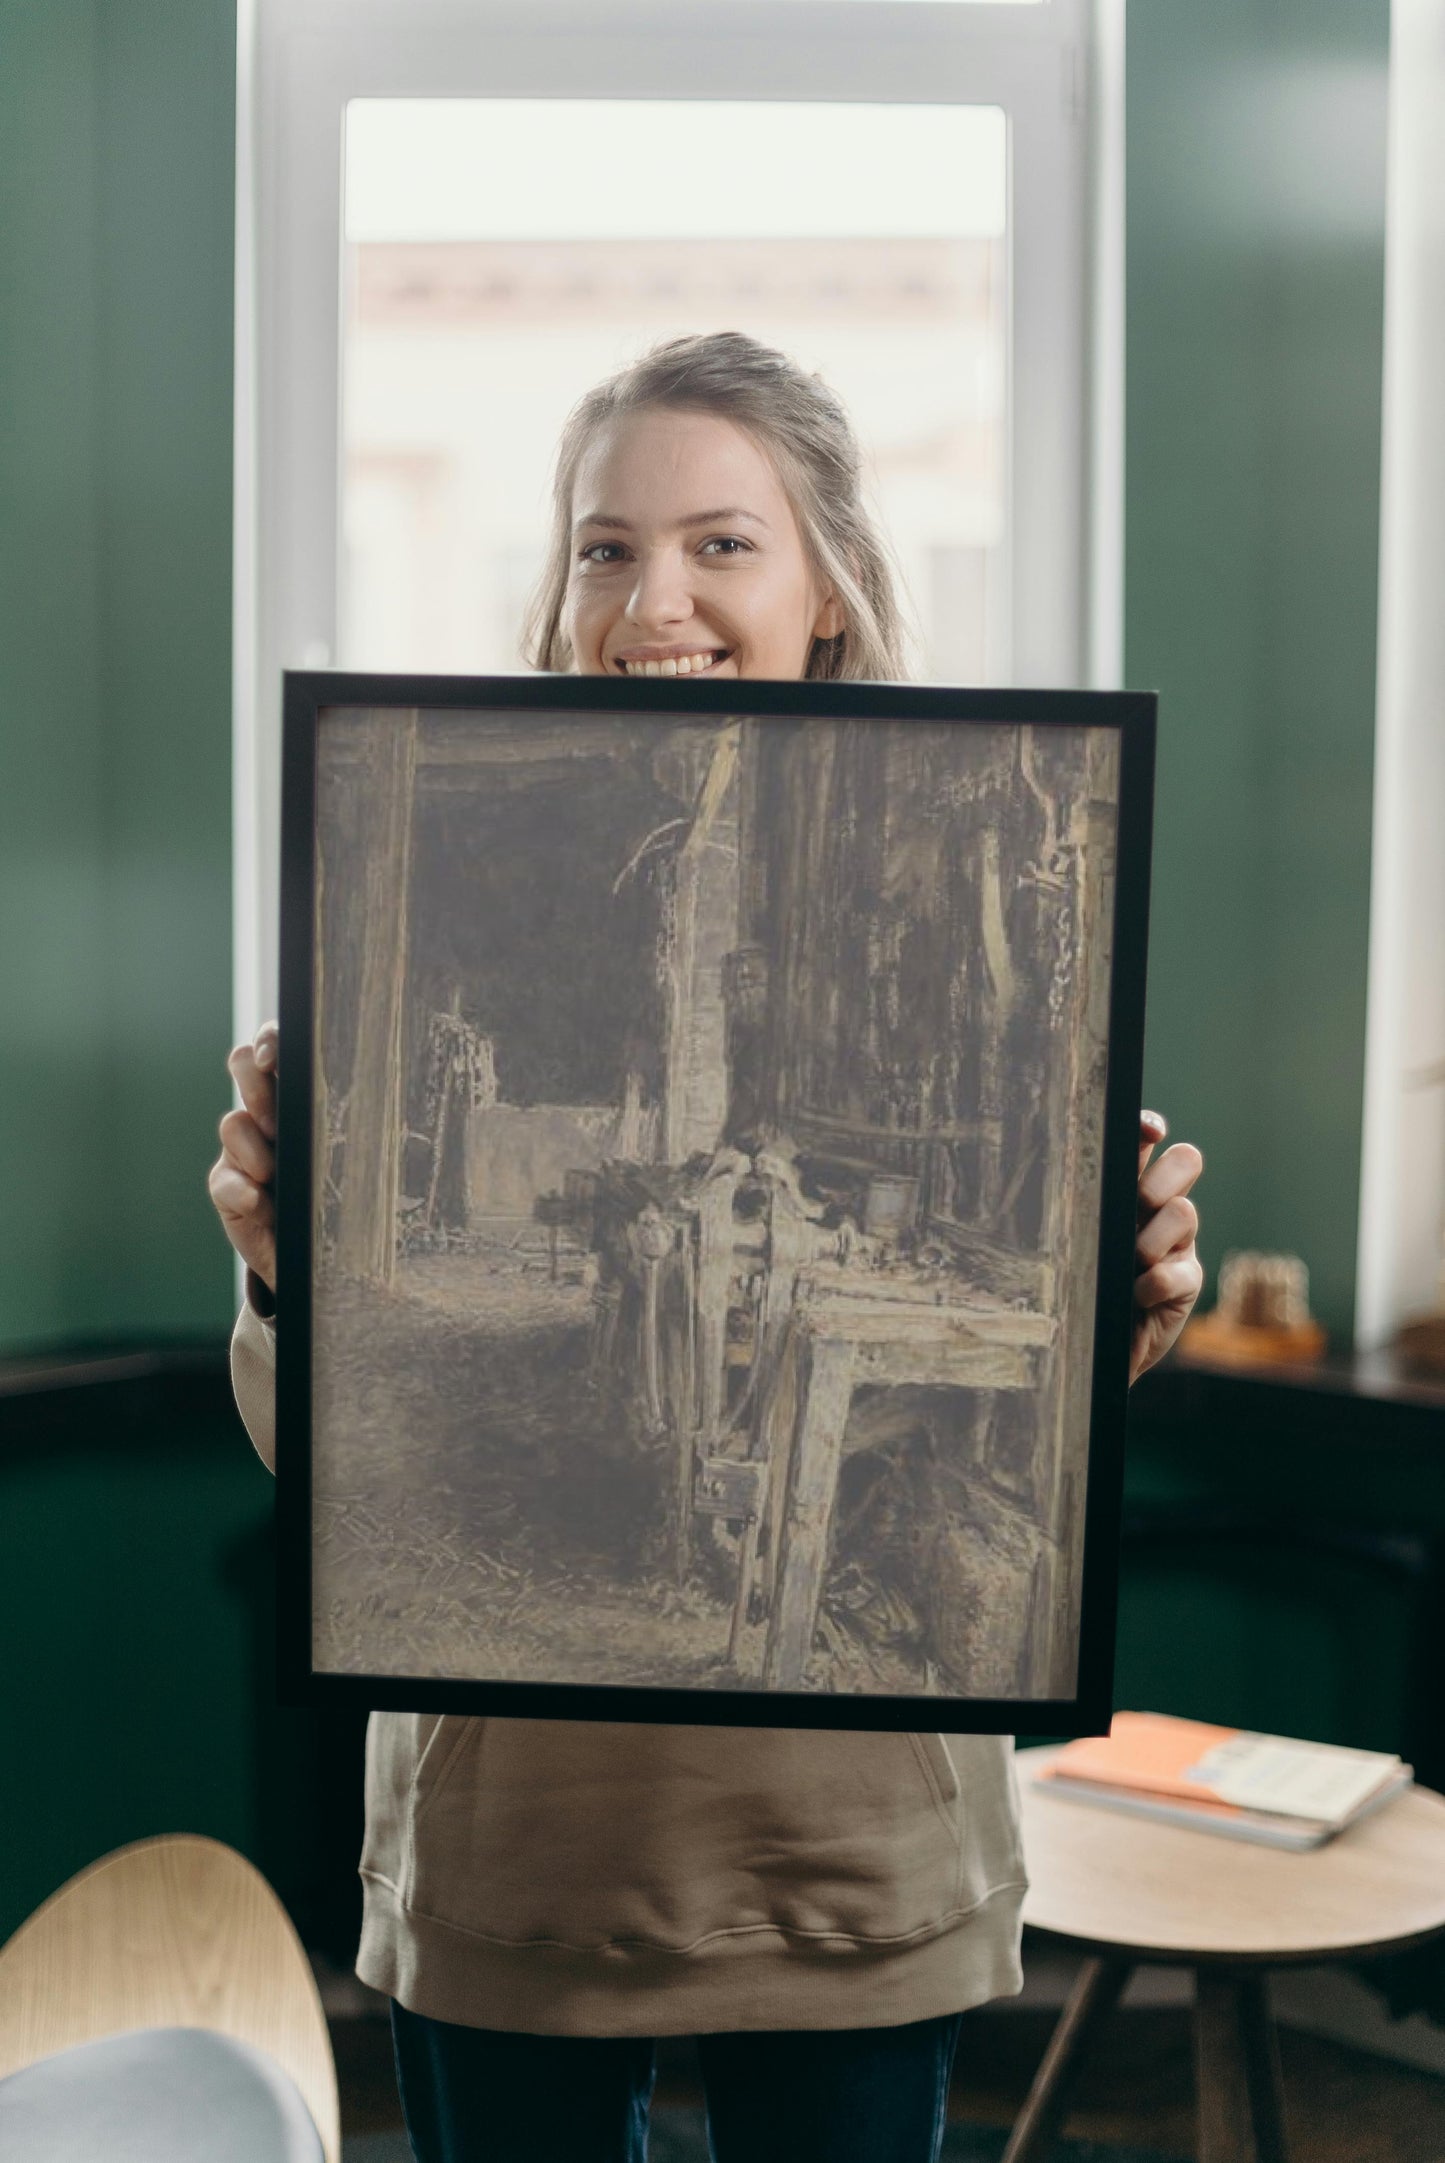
{"x": 708, "y": 1118}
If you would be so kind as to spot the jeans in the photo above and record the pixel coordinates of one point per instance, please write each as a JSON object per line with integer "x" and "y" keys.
{"x": 846, "y": 2095}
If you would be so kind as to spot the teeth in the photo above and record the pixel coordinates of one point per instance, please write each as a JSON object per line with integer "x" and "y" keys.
{"x": 686, "y": 664}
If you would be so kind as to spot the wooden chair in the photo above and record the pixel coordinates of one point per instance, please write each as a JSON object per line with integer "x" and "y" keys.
{"x": 176, "y": 1932}
{"x": 1125, "y": 1890}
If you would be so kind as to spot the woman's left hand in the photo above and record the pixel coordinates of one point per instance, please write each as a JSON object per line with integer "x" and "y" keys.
{"x": 1167, "y": 1272}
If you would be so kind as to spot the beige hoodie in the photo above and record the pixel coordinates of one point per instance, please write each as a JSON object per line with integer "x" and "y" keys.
{"x": 580, "y": 1878}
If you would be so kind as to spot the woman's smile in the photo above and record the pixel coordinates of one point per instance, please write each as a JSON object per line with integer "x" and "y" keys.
{"x": 672, "y": 660}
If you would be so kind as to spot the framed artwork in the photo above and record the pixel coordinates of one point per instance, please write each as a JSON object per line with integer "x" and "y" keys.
{"x": 708, "y": 1139}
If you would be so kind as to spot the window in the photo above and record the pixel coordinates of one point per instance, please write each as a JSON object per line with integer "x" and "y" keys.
{"x": 503, "y": 255}
{"x": 449, "y": 212}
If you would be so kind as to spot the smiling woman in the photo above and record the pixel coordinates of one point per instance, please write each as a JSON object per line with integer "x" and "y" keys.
{"x": 644, "y": 577}
{"x": 542, "y": 1895}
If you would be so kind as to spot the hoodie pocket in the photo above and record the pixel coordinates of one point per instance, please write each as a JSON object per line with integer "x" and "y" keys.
{"x": 453, "y": 1737}
{"x": 406, "y": 1754}
{"x": 939, "y": 1776}
{"x": 666, "y": 1836}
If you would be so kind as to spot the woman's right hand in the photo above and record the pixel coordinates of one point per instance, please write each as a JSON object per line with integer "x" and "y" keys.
{"x": 243, "y": 1175}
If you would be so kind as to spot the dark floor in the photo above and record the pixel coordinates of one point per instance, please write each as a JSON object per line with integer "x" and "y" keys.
{"x": 1343, "y": 2105}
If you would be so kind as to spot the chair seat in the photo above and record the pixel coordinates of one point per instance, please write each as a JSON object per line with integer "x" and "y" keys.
{"x": 156, "y": 2095}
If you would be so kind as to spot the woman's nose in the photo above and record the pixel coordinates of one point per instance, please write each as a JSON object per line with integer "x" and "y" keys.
{"x": 661, "y": 594}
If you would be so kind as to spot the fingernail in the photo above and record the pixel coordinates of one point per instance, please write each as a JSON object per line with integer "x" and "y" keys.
{"x": 1155, "y": 1119}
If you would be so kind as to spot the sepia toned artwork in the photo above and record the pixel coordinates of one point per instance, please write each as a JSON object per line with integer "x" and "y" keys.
{"x": 706, "y": 1121}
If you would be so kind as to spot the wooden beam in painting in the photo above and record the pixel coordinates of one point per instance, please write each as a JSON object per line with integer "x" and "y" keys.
{"x": 812, "y": 1489}
{"x": 1079, "y": 997}
{"x": 385, "y": 745}
{"x": 997, "y": 1265}
{"x": 964, "y": 1364}
{"x": 702, "y": 915}
{"x": 851, "y": 1337}
{"x": 715, "y": 1239}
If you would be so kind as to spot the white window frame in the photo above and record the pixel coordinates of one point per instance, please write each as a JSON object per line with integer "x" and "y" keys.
{"x": 1402, "y": 1167}
{"x": 1056, "y": 69}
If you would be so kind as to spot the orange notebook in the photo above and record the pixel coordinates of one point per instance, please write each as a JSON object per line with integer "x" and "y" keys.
{"x": 1158, "y": 1755}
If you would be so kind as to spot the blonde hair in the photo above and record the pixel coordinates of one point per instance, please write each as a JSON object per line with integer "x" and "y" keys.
{"x": 804, "y": 428}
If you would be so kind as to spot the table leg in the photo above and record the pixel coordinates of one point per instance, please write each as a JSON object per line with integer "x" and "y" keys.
{"x": 1097, "y": 1991}
{"x": 1241, "y": 2117}
{"x": 1261, "y": 2044}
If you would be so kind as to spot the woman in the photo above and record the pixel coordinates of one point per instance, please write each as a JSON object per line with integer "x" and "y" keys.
{"x": 544, "y": 1898}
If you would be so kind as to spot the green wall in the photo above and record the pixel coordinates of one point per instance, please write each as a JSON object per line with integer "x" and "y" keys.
{"x": 52, "y": 1031}
{"x": 1255, "y": 265}
{"x": 130, "y": 1548}
{"x": 116, "y": 158}
{"x": 1255, "y": 268}
{"x": 1288, "y": 1638}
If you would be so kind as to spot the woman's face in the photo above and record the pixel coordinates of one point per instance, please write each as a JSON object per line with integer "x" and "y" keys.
{"x": 686, "y": 557}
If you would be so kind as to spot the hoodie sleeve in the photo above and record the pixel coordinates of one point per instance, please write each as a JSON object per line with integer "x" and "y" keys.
{"x": 253, "y": 1370}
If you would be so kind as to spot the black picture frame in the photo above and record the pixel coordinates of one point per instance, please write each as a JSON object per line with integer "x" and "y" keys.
{"x": 1128, "y": 719}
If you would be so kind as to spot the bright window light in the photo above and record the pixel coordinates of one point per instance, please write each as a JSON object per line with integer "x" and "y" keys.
{"x": 503, "y": 255}
{"x": 594, "y": 169}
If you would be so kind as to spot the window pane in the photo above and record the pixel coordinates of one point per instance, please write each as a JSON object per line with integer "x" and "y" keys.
{"x": 503, "y": 256}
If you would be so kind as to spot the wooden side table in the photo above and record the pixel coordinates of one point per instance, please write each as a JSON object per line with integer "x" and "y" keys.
{"x": 1127, "y": 1891}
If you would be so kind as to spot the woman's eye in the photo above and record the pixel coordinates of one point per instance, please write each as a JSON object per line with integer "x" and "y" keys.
{"x": 726, "y": 544}
{"x": 602, "y": 552}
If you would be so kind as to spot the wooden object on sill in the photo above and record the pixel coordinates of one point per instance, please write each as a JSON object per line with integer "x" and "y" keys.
{"x": 1262, "y": 1318}
{"x": 1420, "y": 1342}
{"x": 1215, "y": 1339}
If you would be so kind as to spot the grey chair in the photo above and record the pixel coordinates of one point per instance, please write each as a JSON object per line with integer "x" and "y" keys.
{"x": 160, "y": 2007}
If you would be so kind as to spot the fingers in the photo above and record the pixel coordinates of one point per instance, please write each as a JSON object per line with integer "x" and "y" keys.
{"x": 253, "y": 1069}
{"x": 1153, "y": 1126}
{"x": 238, "y": 1198}
{"x": 1169, "y": 1276}
{"x": 1170, "y": 1230}
{"x": 241, "y": 1178}
{"x": 1174, "y": 1282}
{"x": 248, "y": 1217}
{"x": 1172, "y": 1174}
{"x": 244, "y": 1145}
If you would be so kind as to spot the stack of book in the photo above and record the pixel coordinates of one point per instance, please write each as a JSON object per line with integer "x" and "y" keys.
{"x": 1268, "y": 1788}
